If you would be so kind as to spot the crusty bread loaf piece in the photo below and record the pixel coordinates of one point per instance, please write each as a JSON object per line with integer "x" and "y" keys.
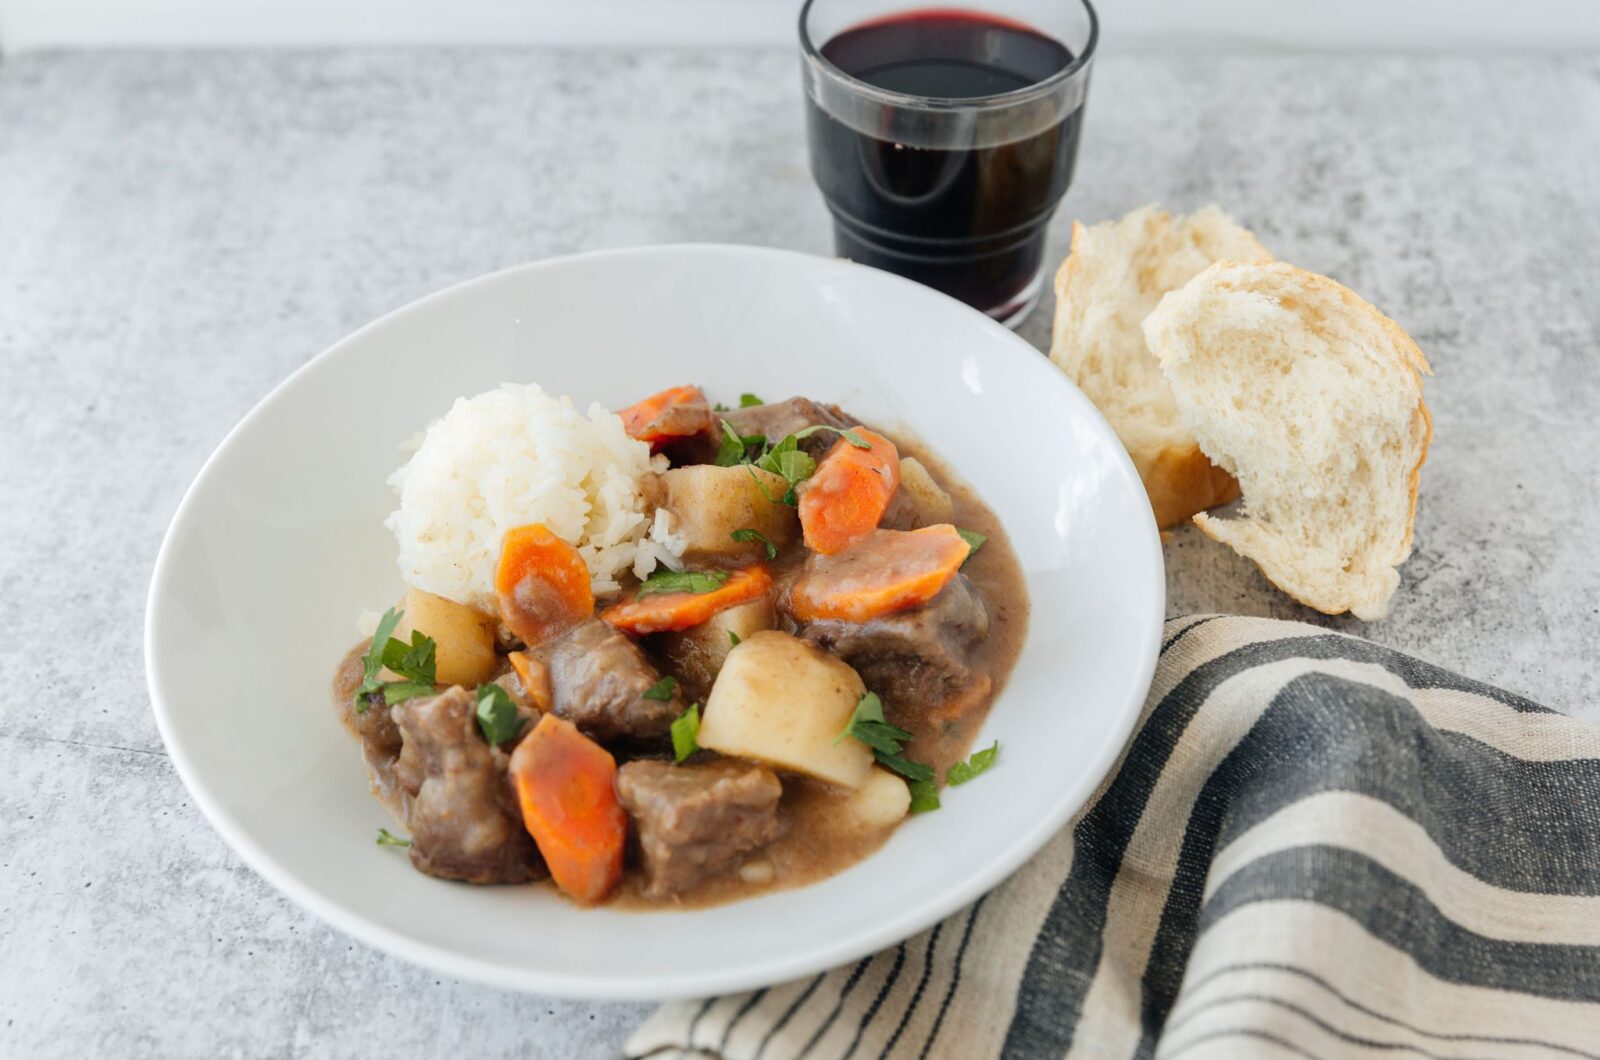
{"x": 1313, "y": 400}
{"x": 1115, "y": 275}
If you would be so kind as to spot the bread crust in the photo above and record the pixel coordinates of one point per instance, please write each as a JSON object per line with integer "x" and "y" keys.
{"x": 1179, "y": 480}
{"x": 1182, "y": 483}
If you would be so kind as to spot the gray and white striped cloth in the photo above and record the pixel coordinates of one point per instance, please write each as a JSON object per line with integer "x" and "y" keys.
{"x": 1313, "y": 847}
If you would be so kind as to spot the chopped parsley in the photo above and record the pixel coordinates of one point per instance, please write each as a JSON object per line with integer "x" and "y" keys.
{"x": 747, "y": 401}
{"x": 497, "y": 714}
{"x": 387, "y": 838}
{"x": 681, "y": 581}
{"x": 980, "y": 762}
{"x": 974, "y": 542}
{"x": 686, "y": 733}
{"x": 913, "y": 771}
{"x": 751, "y": 534}
{"x": 662, "y": 690}
{"x": 791, "y": 463}
{"x": 868, "y": 725}
{"x": 719, "y": 407}
{"x": 733, "y": 639}
{"x": 414, "y": 663}
{"x": 784, "y": 458}
{"x": 399, "y": 691}
{"x": 924, "y": 795}
{"x": 844, "y": 432}
{"x": 735, "y": 447}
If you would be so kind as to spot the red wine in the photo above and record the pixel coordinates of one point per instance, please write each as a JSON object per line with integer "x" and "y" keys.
{"x": 967, "y": 219}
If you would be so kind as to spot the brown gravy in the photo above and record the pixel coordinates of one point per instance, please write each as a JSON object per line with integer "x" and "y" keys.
{"x": 817, "y": 841}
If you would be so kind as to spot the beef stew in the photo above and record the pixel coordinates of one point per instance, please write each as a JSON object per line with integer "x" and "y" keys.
{"x": 760, "y": 719}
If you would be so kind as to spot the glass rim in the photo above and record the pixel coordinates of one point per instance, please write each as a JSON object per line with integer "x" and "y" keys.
{"x": 1080, "y": 62}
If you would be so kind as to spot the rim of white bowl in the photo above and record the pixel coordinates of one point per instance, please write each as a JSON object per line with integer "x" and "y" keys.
{"x": 687, "y": 982}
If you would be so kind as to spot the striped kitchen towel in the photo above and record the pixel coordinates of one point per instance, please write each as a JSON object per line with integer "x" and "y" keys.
{"x": 1313, "y": 847}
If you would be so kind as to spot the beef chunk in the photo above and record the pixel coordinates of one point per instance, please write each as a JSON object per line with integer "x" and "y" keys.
{"x": 791, "y": 417}
{"x": 695, "y": 655}
{"x": 916, "y": 659}
{"x": 370, "y": 721}
{"x": 598, "y": 678}
{"x": 692, "y": 433}
{"x": 463, "y": 816}
{"x": 697, "y": 821}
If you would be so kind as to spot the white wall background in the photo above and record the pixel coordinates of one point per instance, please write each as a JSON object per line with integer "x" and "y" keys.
{"x": 1385, "y": 24}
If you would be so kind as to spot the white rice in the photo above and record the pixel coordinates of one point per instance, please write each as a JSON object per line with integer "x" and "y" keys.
{"x": 515, "y": 456}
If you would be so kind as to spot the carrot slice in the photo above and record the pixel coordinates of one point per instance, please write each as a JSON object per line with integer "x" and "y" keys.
{"x": 564, "y": 787}
{"x": 535, "y": 678}
{"x": 888, "y": 571}
{"x": 846, "y": 496}
{"x": 675, "y": 413}
{"x": 542, "y": 584}
{"x": 662, "y": 612}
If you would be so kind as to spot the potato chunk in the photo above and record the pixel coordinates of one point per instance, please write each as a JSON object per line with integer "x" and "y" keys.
{"x": 880, "y": 802}
{"x": 781, "y": 701}
{"x": 696, "y": 654}
{"x": 708, "y": 503}
{"x": 464, "y": 636}
{"x": 923, "y": 495}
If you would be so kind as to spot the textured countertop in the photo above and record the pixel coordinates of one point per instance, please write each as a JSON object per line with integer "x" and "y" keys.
{"x": 178, "y": 232}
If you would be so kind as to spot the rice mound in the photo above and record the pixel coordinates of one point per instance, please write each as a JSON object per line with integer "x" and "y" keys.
{"x": 515, "y": 456}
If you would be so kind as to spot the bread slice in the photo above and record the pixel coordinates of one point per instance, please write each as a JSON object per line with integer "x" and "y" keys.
{"x": 1313, "y": 400}
{"x": 1115, "y": 275}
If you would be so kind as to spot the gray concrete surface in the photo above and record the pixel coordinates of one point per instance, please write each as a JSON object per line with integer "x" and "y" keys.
{"x": 179, "y": 231}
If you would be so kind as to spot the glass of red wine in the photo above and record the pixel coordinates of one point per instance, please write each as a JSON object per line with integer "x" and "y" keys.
{"x": 943, "y": 137}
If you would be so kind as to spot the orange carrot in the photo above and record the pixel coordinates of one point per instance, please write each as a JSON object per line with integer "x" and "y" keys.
{"x": 849, "y": 492}
{"x": 676, "y": 413}
{"x": 661, "y": 612}
{"x": 535, "y": 678}
{"x": 542, "y": 584}
{"x": 887, "y": 571}
{"x": 564, "y": 786}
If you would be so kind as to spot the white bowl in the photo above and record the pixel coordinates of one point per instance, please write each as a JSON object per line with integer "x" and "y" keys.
{"x": 279, "y": 544}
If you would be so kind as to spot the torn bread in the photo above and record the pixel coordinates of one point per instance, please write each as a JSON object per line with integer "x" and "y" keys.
{"x": 1313, "y": 400}
{"x": 1115, "y": 275}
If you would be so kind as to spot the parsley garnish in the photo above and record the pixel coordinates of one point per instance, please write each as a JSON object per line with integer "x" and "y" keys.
{"x": 681, "y": 581}
{"x": 914, "y": 771}
{"x": 662, "y": 690}
{"x": 735, "y": 447}
{"x": 399, "y": 691}
{"x": 733, "y": 639}
{"x": 497, "y": 714}
{"x": 372, "y": 662}
{"x": 974, "y": 542}
{"x": 747, "y": 401}
{"x": 788, "y": 461}
{"x": 387, "y": 838}
{"x": 844, "y": 432}
{"x": 751, "y": 534}
{"x": 867, "y": 724}
{"x": 924, "y": 795}
{"x": 980, "y": 761}
{"x": 719, "y": 407}
{"x": 686, "y": 733}
{"x": 413, "y": 662}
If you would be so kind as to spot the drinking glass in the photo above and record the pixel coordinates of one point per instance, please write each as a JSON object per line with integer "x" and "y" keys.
{"x": 942, "y": 139}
